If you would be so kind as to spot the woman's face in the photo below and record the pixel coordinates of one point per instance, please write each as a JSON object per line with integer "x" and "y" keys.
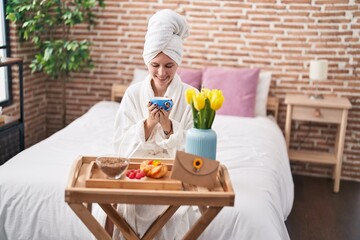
{"x": 162, "y": 69}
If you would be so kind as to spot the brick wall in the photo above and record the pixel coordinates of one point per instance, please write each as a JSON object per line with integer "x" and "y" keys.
{"x": 275, "y": 35}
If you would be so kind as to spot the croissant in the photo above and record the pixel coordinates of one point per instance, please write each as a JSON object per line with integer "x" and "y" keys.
{"x": 154, "y": 168}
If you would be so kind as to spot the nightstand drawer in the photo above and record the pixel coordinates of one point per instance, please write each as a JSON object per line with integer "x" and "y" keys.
{"x": 317, "y": 114}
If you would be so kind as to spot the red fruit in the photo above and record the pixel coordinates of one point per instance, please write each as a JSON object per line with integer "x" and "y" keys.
{"x": 132, "y": 175}
{"x": 138, "y": 175}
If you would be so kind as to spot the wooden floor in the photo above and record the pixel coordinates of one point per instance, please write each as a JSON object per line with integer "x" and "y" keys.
{"x": 320, "y": 214}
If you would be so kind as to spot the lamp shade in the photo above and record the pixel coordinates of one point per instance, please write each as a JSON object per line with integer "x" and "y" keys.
{"x": 318, "y": 69}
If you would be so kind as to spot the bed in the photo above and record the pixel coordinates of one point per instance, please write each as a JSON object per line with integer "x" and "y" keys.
{"x": 32, "y": 183}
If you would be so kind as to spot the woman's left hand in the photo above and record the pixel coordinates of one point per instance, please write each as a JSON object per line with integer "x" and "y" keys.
{"x": 164, "y": 120}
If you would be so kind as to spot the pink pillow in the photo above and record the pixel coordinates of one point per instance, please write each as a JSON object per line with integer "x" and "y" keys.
{"x": 238, "y": 86}
{"x": 190, "y": 76}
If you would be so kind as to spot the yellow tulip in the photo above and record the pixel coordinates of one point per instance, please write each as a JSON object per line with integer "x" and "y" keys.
{"x": 199, "y": 101}
{"x": 189, "y": 93}
{"x": 216, "y": 99}
{"x": 206, "y": 92}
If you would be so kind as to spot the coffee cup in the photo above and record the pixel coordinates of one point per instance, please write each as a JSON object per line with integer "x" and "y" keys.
{"x": 162, "y": 102}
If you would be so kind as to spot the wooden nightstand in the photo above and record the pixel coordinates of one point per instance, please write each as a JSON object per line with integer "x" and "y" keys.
{"x": 327, "y": 110}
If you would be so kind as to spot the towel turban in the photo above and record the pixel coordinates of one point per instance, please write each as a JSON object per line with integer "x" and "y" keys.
{"x": 166, "y": 32}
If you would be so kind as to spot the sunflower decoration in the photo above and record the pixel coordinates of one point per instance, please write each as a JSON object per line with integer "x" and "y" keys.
{"x": 197, "y": 164}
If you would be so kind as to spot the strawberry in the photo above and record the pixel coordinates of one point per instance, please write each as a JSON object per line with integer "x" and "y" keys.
{"x": 132, "y": 175}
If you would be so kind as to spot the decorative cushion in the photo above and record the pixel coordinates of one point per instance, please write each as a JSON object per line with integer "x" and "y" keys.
{"x": 239, "y": 87}
{"x": 262, "y": 93}
{"x": 190, "y": 76}
{"x": 139, "y": 75}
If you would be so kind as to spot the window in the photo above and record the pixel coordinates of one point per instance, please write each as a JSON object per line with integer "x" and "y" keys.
{"x": 5, "y": 76}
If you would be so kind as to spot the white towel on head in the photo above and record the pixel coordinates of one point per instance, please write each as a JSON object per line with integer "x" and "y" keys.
{"x": 166, "y": 32}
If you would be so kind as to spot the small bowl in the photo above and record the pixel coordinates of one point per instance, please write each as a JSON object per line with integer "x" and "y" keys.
{"x": 112, "y": 166}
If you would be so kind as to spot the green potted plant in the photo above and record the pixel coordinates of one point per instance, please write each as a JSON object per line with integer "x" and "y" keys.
{"x": 48, "y": 24}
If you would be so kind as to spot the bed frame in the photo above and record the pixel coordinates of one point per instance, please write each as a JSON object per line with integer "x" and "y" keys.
{"x": 118, "y": 91}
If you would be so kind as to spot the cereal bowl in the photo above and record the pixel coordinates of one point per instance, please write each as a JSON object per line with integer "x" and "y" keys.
{"x": 112, "y": 166}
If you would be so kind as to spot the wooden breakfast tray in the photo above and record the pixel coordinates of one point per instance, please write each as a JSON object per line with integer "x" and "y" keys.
{"x": 86, "y": 183}
{"x": 80, "y": 198}
{"x": 97, "y": 179}
{"x": 87, "y": 177}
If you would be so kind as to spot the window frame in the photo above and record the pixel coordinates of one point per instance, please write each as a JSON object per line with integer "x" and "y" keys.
{"x": 9, "y": 100}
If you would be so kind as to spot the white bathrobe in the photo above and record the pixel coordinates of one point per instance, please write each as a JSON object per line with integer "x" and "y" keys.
{"x": 129, "y": 138}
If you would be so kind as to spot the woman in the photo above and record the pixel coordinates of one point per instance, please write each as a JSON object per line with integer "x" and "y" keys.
{"x": 141, "y": 128}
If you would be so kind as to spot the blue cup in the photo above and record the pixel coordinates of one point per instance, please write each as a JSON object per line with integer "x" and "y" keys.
{"x": 165, "y": 103}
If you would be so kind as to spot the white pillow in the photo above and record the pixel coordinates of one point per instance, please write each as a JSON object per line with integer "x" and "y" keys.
{"x": 139, "y": 75}
{"x": 262, "y": 92}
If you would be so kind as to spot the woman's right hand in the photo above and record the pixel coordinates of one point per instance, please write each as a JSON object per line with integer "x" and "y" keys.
{"x": 152, "y": 120}
{"x": 153, "y": 117}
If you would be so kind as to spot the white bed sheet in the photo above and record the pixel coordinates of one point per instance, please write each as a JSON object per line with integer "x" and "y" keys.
{"x": 254, "y": 152}
{"x": 32, "y": 183}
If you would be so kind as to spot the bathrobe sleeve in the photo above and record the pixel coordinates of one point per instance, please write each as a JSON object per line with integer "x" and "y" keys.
{"x": 127, "y": 128}
{"x": 129, "y": 136}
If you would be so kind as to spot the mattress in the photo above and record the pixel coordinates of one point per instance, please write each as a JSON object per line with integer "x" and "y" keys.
{"x": 32, "y": 183}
